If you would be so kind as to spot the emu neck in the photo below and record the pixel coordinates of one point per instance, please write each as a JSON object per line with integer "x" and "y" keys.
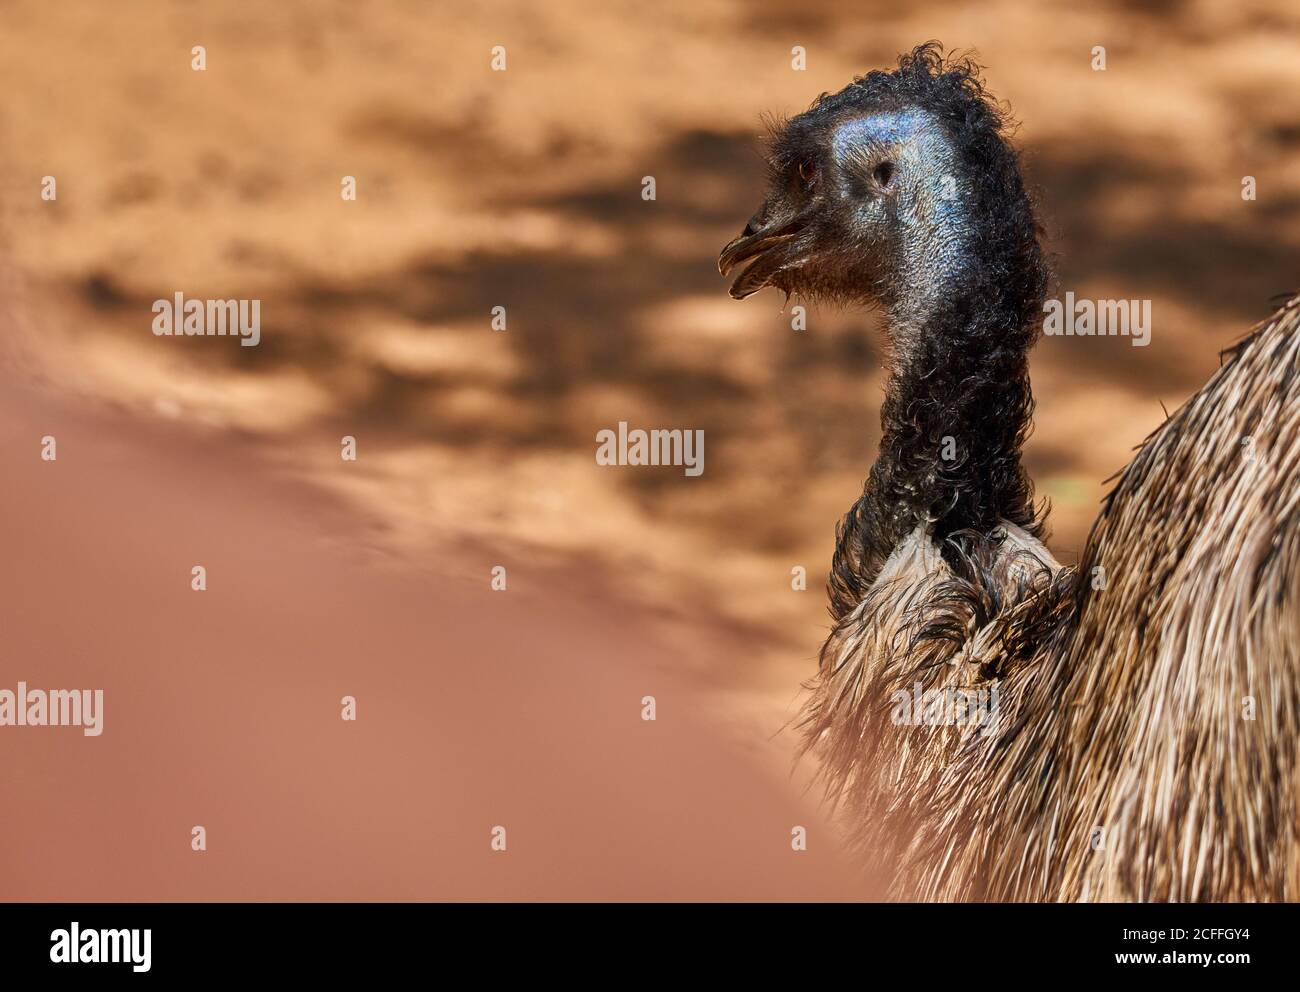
{"x": 956, "y": 412}
{"x": 957, "y": 409}
{"x": 964, "y": 307}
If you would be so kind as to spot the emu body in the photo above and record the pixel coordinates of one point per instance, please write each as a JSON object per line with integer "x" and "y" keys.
{"x": 1145, "y": 741}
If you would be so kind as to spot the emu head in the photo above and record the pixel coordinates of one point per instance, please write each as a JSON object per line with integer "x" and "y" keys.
{"x": 900, "y": 190}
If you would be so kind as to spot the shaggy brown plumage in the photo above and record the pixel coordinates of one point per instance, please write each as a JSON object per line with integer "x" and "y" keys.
{"x": 1146, "y": 739}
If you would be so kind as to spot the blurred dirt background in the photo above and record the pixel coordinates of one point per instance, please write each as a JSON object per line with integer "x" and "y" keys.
{"x": 522, "y": 188}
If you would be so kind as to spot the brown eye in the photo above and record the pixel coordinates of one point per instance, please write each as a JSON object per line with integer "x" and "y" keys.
{"x": 807, "y": 169}
{"x": 883, "y": 173}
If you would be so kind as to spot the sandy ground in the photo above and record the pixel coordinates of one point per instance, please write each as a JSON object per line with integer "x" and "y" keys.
{"x": 475, "y": 709}
{"x": 522, "y": 189}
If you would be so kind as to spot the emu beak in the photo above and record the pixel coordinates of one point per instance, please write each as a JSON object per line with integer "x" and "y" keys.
{"x": 756, "y": 241}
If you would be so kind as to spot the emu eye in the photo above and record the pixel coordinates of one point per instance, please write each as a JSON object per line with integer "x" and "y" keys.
{"x": 807, "y": 169}
{"x": 883, "y": 173}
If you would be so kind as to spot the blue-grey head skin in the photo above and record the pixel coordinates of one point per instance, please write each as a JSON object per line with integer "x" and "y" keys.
{"x": 918, "y": 213}
{"x": 891, "y": 192}
{"x": 872, "y": 212}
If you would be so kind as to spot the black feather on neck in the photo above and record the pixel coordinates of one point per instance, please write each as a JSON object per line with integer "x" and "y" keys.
{"x": 958, "y": 404}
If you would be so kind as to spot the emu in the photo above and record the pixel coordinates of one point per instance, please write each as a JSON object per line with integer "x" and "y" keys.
{"x": 1148, "y": 719}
